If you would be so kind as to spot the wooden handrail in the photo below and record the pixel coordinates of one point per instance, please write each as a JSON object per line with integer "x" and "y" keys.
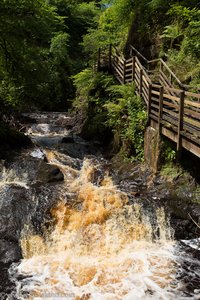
{"x": 138, "y": 53}
{"x": 173, "y": 111}
{"x": 148, "y": 62}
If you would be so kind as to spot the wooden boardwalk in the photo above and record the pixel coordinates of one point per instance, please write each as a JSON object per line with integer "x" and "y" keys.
{"x": 172, "y": 108}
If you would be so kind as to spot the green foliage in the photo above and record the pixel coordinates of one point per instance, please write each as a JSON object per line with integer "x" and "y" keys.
{"x": 39, "y": 51}
{"x": 168, "y": 153}
{"x": 127, "y": 116}
{"x": 172, "y": 32}
{"x": 113, "y": 25}
{"x": 169, "y": 170}
{"x": 92, "y": 86}
{"x": 113, "y": 107}
{"x": 184, "y": 59}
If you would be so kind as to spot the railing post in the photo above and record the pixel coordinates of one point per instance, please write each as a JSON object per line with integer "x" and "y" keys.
{"x": 124, "y": 72}
{"x": 160, "y": 113}
{"x": 180, "y": 124}
{"x": 110, "y": 58}
{"x": 133, "y": 68}
{"x": 149, "y": 103}
{"x": 99, "y": 60}
{"x": 140, "y": 88}
{"x": 161, "y": 66}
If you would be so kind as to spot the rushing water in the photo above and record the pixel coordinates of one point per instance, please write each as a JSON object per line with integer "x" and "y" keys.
{"x": 98, "y": 244}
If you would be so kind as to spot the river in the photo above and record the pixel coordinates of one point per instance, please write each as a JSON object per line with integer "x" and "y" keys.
{"x": 82, "y": 234}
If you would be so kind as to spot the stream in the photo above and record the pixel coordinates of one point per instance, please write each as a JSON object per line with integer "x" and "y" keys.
{"x": 73, "y": 228}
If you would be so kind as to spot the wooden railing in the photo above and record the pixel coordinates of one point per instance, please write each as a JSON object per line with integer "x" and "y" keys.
{"x": 160, "y": 70}
{"x": 174, "y": 111}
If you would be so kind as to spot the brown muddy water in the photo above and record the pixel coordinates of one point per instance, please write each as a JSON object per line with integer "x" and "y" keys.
{"x": 79, "y": 234}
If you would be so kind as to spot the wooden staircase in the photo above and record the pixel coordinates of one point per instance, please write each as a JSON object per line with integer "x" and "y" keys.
{"x": 171, "y": 107}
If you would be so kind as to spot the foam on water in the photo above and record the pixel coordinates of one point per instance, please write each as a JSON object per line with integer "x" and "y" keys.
{"x": 101, "y": 248}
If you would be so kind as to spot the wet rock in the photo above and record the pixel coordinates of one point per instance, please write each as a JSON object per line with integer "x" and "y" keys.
{"x": 24, "y": 118}
{"x": 9, "y": 252}
{"x": 68, "y": 139}
{"x": 49, "y": 173}
{"x": 77, "y": 150}
{"x": 16, "y": 207}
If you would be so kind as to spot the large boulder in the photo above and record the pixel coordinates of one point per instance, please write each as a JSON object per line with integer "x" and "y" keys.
{"x": 49, "y": 173}
{"x": 16, "y": 206}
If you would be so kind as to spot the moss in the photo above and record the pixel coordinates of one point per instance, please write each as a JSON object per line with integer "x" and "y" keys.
{"x": 196, "y": 195}
{"x": 171, "y": 171}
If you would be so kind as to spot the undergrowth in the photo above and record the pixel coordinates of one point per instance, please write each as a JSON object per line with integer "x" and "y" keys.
{"x": 112, "y": 108}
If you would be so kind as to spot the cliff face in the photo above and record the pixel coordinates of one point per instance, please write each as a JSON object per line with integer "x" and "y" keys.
{"x": 144, "y": 37}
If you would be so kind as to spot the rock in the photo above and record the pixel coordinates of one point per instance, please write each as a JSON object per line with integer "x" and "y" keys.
{"x": 49, "y": 173}
{"x": 16, "y": 207}
{"x": 68, "y": 139}
{"x": 9, "y": 252}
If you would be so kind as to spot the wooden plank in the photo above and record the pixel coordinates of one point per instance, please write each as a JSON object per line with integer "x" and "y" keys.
{"x": 180, "y": 122}
{"x": 124, "y": 72}
{"x": 156, "y": 92}
{"x": 192, "y": 122}
{"x": 129, "y": 80}
{"x": 164, "y": 83}
{"x": 129, "y": 60}
{"x": 191, "y": 113}
{"x": 115, "y": 66}
{"x": 171, "y": 112}
{"x": 155, "y": 86}
{"x": 138, "y": 53}
{"x": 119, "y": 59}
{"x": 137, "y": 76}
{"x": 120, "y": 65}
{"x": 192, "y": 103}
{"x": 115, "y": 70}
{"x": 137, "y": 67}
{"x": 118, "y": 72}
{"x": 129, "y": 64}
{"x": 129, "y": 75}
{"x": 153, "y": 116}
{"x": 141, "y": 81}
{"x": 191, "y": 130}
{"x": 153, "y": 60}
{"x": 154, "y": 99}
{"x": 138, "y": 63}
{"x": 190, "y": 94}
{"x": 174, "y": 98}
{"x": 172, "y": 73}
{"x": 145, "y": 93}
{"x": 129, "y": 69}
{"x": 160, "y": 113}
{"x": 173, "y": 89}
{"x": 165, "y": 79}
{"x": 116, "y": 63}
{"x": 145, "y": 79}
{"x": 170, "y": 104}
{"x": 146, "y": 87}
{"x": 133, "y": 67}
{"x": 155, "y": 106}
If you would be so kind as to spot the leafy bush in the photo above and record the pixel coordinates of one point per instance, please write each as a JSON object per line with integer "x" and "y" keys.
{"x": 127, "y": 116}
{"x": 112, "y": 107}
